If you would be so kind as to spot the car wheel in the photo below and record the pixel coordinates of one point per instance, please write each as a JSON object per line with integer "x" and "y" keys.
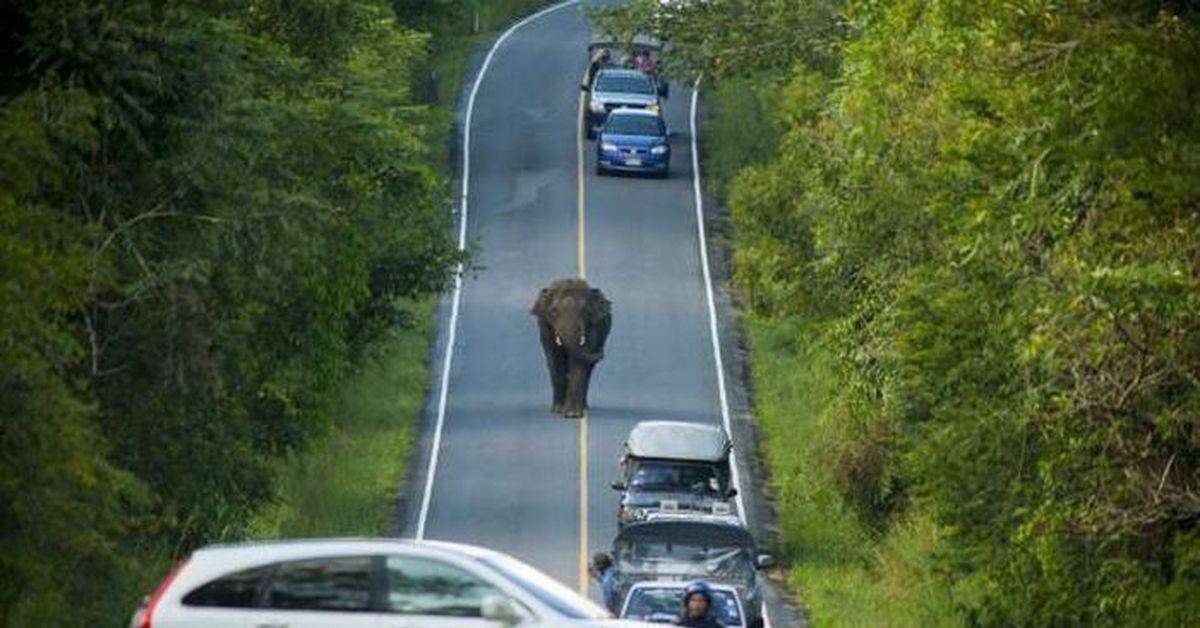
{"x": 600, "y": 171}
{"x": 590, "y": 133}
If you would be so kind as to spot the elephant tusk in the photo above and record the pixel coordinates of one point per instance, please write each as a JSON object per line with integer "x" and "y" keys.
{"x": 558, "y": 340}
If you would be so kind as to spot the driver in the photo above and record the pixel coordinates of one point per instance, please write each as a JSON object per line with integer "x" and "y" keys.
{"x": 697, "y": 607}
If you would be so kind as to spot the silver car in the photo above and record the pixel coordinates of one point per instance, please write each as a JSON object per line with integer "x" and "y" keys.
{"x": 355, "y": 583}
{"x": 617, "y": 88}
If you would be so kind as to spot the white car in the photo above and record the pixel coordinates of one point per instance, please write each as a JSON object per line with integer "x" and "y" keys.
{"x": 662, "y": 602}
{"x": 355, "y": 583}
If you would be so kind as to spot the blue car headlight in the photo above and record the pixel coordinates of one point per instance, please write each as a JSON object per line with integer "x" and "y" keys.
{"x": 661, "y": 149}
{"x": 608, "y": 147}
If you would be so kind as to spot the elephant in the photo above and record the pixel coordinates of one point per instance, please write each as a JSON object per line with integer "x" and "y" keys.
{"x": 573, "y": 321}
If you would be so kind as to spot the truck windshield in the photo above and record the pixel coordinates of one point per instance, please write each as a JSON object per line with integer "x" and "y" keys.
{"x": 625, "y": 84}
{"x": 656, "y": 475}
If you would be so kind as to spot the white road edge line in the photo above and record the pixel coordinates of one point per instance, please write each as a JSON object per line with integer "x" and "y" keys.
{"x": 712, "y": 314}
{"x": 448, "y": 358}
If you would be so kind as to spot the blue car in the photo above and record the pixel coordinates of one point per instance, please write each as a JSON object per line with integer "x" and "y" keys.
{"x": 634, "y": 140}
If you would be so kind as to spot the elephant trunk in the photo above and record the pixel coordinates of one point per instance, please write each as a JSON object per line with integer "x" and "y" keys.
{"x": 588, "y": 357}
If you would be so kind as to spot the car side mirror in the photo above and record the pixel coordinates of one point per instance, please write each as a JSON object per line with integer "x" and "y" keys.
{"x": 764, "y": 560}
{"x": 618, "y": 486}
{"x": 583, "y": 87}
{"x": 500, "y": 609}
{"x": 732, "y": 492}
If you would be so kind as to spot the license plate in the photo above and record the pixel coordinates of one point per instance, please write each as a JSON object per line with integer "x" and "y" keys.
{"x": 633, "y": 161}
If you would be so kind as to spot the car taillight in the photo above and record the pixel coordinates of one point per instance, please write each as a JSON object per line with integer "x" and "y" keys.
{"x": 152, "y": 604}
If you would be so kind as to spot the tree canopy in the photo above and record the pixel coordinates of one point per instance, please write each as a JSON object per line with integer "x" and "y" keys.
{"x": 205, "y": 208}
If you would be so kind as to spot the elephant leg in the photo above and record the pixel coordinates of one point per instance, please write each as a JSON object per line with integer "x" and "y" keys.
{"x": 556, "y": 364}
{"x": 560, "y": 384}
{"x": 575, "y": 391}
{"x": 587, "y": 383}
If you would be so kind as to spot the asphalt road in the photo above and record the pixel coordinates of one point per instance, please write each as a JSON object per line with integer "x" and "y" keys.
{"x": 510, "y": 475}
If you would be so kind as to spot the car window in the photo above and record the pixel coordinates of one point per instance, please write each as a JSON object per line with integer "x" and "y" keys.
{"x": 326, "y": 584}
{"x": 633, "y": 125}
{"x": 624, "y": 84}
{"x": 650, "y": 476}
{"x": 550, "y": 592}
{"x": 421, "y": 586}
{"x": 236, "y": 590}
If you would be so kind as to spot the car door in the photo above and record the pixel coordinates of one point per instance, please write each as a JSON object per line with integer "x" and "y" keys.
{"x": 321, "y": 593}
{"x": 427, "y": 592}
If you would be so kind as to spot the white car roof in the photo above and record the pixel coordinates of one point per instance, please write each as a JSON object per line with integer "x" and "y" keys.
{"x": 678, "y": 440}
{"x": 252, "y": 552}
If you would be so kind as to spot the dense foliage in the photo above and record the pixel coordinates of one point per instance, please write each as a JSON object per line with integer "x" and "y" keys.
{"x": 206, "y": 208}
{"x": 990, "y": 211}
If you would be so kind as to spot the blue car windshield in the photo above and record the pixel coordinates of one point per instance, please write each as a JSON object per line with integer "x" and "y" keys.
{"x": 618, "y": 124}
{"x": 624, "y": 84}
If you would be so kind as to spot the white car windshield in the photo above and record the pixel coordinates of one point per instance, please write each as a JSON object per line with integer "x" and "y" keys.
{"x": 663, "y": 604}
{"x": 625, "y": 84}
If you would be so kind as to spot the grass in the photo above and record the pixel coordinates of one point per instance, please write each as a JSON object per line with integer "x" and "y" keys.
{"x": 737, "y": 140}
{"x": 347, "y": 483}
{"x": 844, "y": 574}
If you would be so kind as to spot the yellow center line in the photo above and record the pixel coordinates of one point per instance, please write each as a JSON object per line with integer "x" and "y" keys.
{"x": 583, "y": 422}
{"x": 580, "y": 213}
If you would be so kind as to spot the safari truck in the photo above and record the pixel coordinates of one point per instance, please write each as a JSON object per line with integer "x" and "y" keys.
{"x": 675, "y": 467}
{"x": 683, "y": 548}
{"x": 621, "y": 75}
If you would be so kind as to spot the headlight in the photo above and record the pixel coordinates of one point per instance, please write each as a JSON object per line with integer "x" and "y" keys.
{"x": 653, "y": 107}
{"x": 661, "y": 149}
{"x": 608, "y": 148}
{"x": 596, "y": 106}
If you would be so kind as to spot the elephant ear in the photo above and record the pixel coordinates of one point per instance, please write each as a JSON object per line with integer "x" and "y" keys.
{"x": 540, "y": 303}
{"x": 601, "y": 307}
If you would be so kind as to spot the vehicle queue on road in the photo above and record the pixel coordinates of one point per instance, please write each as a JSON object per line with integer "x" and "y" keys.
{"x": 677, "y": 524}
{"x": 677, "y": 521}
